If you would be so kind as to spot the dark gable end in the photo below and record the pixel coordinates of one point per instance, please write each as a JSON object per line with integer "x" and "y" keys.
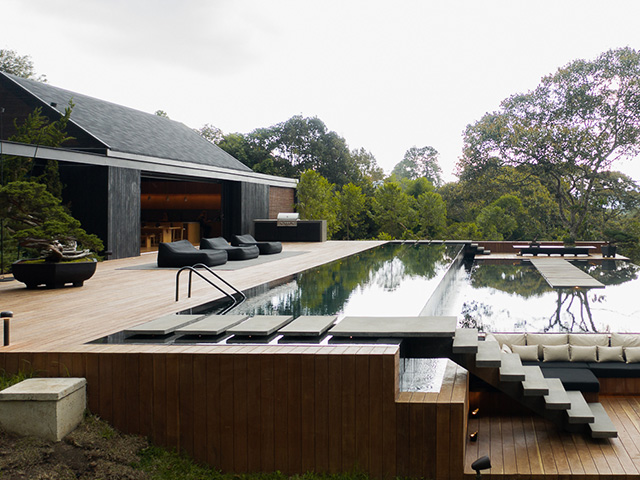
{"x": 130, "y": 131}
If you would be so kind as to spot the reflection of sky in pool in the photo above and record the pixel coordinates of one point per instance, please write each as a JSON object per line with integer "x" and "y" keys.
{"x": 517, "y": 298}
{"x": 388, "y": 280}
{"x": 493, "y": 295}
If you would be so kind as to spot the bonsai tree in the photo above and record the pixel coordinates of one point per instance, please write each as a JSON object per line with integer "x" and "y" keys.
{"x": 38, "y": 221}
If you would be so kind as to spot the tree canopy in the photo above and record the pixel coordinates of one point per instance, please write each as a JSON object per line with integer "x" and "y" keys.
{"x": 420, "y": 162}
{"x": 19, "y": 65}
{"x": 567, "y": 131}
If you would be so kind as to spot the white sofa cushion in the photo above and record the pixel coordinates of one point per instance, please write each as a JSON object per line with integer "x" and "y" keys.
{"x": 625, "y": 340}
{"x": 632, "y": 354}
{"x": 583, "y": 353}
{"x": 589, "y": 339}
{"x": 555, "y": 353}
{"x": 610, "y": 354}
{"x": 510, "y": 339}
{"x": 541, "y": 339}
{"x": 528, "y": 353}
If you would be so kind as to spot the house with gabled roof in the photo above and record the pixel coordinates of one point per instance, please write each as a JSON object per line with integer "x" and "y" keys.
{"x": 125, "y": 170}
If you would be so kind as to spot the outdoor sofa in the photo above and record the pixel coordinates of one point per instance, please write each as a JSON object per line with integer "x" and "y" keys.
{"x": 579, "y": 360}
{"x": 234, "y": 252}
{"x": 266, "y": 248}
{"x": 183, "y": 254}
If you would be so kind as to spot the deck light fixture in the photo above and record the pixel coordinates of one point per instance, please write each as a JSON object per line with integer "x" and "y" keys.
{"x": 473, "y": 437}
{"x": 6, "y": 318}
{"x": 482, "y": 463}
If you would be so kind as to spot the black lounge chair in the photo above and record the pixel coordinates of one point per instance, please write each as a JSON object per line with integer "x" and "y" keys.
{"x": 183, "y": 254}
{"x": 266, "y": 248}
{"x": 234, "y": 252}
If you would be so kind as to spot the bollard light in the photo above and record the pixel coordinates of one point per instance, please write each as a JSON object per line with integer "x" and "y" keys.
{"x": 6, "y": 318}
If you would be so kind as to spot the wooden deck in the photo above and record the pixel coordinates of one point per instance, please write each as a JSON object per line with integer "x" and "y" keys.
{"x": 118, "y": 297}
{"x": 529, "y": 447}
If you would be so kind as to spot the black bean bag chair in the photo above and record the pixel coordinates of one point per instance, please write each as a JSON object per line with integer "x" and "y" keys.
{"x": 234, "y": 253}
{"x": 266, "y": 248}
{"x": 183, "y": 254}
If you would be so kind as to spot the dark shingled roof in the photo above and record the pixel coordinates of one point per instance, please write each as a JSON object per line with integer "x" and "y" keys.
{"x": 126, "y": 130}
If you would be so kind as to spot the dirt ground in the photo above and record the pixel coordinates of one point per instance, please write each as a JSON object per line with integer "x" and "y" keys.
{"x": 94, "y": 450}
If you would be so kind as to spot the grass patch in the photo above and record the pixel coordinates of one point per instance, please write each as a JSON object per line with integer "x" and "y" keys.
{"x": 7, "y": 380}
{"x": 161, "y": 464}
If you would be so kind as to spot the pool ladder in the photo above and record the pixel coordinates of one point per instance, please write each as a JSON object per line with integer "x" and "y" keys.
{"x": 193, "y": 269}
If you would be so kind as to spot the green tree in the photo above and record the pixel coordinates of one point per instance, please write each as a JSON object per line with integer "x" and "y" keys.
{"x": 393, "y": 211}
{"x": 495, "y": 223}
{"x": 367, "y": 165}
{"x": 420, "y": 162}
{"x": 211, "y": 133}
{"x": 351, "y": 202}
{"x": 19, "y": 65}
{"x": 37, "y": 129}
{"x": 38, "y": 221}
{"x": 316, "y": 200}
{"x": 161, "y": 113}
{"x": 432, "y": 215}
{"x": 567, "y": 131}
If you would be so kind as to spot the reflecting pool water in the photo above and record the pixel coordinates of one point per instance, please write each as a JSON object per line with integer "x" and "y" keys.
{"x": 388, "y": 280}
{"x": 513, "y": 296}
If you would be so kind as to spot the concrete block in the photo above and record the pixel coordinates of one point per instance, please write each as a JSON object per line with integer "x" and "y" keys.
{"x": 48, "y": 408}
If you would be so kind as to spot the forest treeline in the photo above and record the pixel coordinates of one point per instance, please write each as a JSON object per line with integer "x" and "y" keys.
{"x": 541, "y": 166}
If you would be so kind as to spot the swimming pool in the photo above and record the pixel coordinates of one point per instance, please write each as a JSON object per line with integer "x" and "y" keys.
{"x": 419, "y": 279}
{"x": 510, "y": 296}
{"x": 391, "y": 280}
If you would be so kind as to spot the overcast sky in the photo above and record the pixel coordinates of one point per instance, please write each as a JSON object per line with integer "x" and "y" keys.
{"x": 384, "y": 75}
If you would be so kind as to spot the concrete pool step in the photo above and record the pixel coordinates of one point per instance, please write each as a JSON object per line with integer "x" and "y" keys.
{"x": 602, "y": 427}
{"x": 309, "y": 326}
{"x": 488, "y": 355}
{"x": 163, "y": 325}
{"x": 465, "y": 341}
{"x": 534, "y": 383}
{"x": 260, "y": 325}
{"x": 557, "y": 398}
{"x": 579, "y": 411}
{"x": 511, "y": 369}
{"x": 212, "y": 325}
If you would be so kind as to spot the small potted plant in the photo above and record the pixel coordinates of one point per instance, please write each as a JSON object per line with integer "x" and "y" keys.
{"x": 39, "y": 223}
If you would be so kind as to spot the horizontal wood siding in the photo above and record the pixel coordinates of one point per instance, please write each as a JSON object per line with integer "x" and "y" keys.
{"x": 293, "y": 409}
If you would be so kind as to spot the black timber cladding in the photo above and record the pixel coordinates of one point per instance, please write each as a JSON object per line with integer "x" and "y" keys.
{"x": 124, "y": 212}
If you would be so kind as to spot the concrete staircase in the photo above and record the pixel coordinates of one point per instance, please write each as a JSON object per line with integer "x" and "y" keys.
{"x": 527, "y": 385}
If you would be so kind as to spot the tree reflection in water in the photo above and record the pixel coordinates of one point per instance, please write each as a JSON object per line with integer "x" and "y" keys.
{"x": 572, "y": 311}
{"x": 326, "y": 290}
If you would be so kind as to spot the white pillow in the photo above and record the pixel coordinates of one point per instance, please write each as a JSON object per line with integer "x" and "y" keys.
{"x": 583, "y": 354}
{"x": 541, "y": 339}
{"x": 528, "y": 353}
{"x": 588, "y": 339}
{"x": 625, "y": 340}
{"x": 632, "y": 354}
{"x": 555, "y": 353}
{"x": 610, "y": 354}
{"x": 506, "y": 349}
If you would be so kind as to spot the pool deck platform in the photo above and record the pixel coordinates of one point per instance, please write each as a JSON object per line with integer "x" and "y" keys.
{"x": 56, "y": 325}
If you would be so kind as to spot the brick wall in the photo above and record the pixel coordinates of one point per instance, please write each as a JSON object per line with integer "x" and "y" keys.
{"x": 280, "y": 200}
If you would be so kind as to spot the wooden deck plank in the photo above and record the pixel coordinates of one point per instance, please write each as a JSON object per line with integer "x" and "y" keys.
{"x": 122, "y": 286}
{"x": 531, "y": 447}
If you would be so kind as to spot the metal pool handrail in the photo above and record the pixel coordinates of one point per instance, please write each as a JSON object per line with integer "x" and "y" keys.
{"x": 192, "y": 270}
